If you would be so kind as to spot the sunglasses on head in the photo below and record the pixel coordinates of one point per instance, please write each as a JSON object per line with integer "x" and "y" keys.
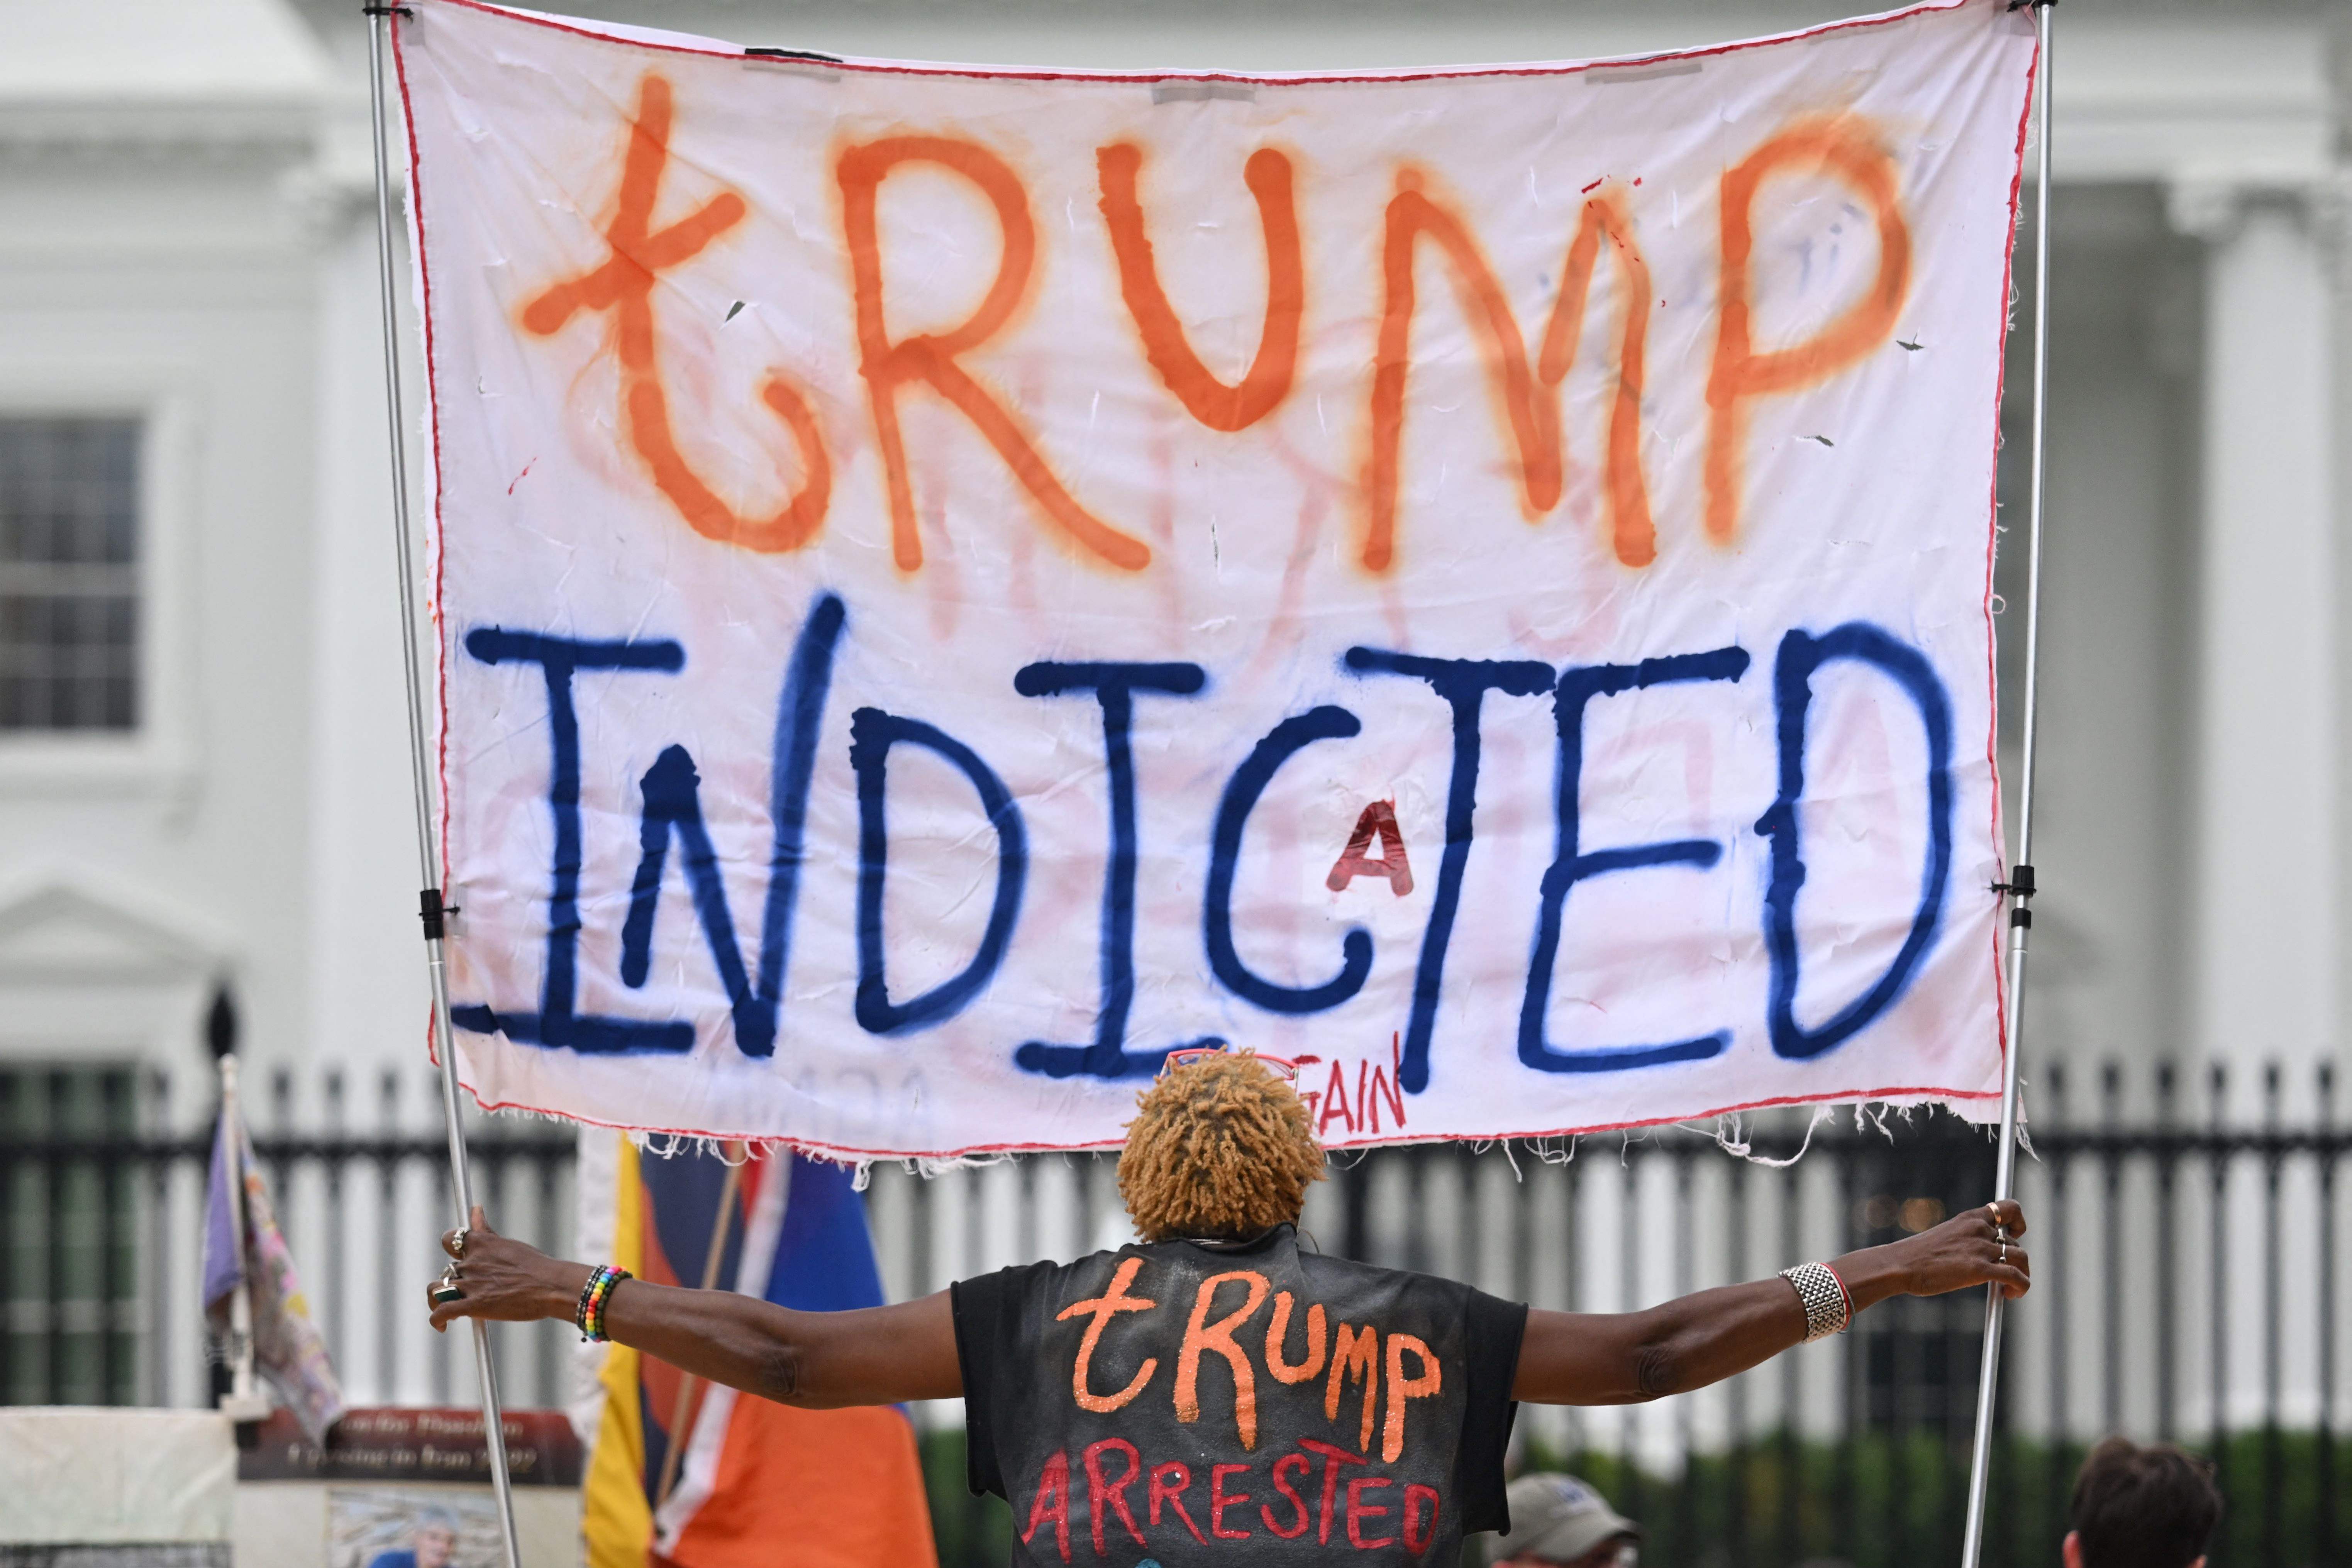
{"x": 1282, "y": 1067}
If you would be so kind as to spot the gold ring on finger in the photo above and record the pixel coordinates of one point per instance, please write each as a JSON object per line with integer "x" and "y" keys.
{"x": 458, "y": 1242}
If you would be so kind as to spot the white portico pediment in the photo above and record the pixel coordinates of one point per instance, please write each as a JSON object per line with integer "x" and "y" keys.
{"x": 94, "y": 971}
{"x": 62, "y": 928}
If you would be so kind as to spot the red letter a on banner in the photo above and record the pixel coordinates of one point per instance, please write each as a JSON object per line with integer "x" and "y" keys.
{"x": 1380, "y": 817}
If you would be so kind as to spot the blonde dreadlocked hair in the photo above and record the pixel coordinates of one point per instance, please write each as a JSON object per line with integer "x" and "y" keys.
{"x": 1219, "y": 1147}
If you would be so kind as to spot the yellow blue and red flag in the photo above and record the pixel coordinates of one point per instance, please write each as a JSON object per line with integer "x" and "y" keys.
{"x": 687, "y": 1473}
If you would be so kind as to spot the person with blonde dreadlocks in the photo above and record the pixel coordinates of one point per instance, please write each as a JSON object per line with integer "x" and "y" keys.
{"x": 1216, "y": 1393}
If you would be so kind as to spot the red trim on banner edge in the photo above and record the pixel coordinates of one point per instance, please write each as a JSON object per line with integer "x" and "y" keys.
{"x": 1992, "y": 545}
{"x": 1308, "y": 78}
{"x": 839, "y": 1152}
{"x": 843, "y": 1155}
{"x": 415, "y": 226}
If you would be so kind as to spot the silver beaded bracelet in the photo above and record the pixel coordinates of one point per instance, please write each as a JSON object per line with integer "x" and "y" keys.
{"x": 1827, "y": 1308}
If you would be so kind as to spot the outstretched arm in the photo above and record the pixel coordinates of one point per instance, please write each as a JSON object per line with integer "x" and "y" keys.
{"x": 1626, "y": 1358}
{"x": 872, "y": 1355}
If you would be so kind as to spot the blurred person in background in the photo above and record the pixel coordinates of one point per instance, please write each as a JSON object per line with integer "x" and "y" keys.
{"x": 1559, "y": 1522}
{"x": 432, "y": 1543}
{"x": 2142, "y": 1507}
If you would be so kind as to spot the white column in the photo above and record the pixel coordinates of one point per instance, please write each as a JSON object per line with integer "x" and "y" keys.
{"x": 2267, "y": 892}
{"x": 2265, "y": 918}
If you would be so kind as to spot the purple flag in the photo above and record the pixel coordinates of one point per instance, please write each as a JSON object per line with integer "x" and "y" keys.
{"x": 287, "y": 1347}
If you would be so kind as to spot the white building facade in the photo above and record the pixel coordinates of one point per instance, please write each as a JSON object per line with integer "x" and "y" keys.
{"x": 204, "y": 768}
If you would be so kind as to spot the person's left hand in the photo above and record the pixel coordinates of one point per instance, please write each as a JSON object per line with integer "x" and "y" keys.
{"x": 505, "y": 1279}
{"x": 1978, "y": 1247}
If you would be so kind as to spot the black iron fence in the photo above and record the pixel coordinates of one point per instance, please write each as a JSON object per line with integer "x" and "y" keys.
{"x": 2187, "y": 1239}
{"x": 103, "y": 1186}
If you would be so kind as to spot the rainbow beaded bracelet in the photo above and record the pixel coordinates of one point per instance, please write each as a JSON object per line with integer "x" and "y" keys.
{"x": 593, "y": 1296}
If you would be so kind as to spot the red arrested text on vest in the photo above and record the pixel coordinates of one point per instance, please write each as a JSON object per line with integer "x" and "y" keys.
{"x": 1369, "y": 1382}
{"x": 1315, "y": 1486}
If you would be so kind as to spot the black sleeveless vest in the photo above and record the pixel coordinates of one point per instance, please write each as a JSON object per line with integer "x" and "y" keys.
{"x": 1182, "y": 1404}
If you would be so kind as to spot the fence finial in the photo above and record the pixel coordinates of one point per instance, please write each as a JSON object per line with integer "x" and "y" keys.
{"x": 220, "y": 1023}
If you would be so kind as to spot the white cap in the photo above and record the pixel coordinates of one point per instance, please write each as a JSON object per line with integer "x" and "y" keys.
{"x": 1557, "y": 1518}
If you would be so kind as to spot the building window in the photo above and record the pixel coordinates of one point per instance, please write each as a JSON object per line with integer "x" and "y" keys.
{"x": 69, "y": 574}
{"x": 70, "y": 1227}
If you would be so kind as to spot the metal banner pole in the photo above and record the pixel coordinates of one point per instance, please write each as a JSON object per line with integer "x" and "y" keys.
{"x": 2020, "y": 886}
{"x": 429, "y": 903}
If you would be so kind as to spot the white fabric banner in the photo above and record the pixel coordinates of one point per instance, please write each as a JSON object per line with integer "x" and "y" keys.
{"x": 952, "y": 581}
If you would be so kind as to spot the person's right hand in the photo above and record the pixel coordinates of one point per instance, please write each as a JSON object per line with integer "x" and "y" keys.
{"x": 1967, "y": 1250}
{"x": 505, "y": 1279}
